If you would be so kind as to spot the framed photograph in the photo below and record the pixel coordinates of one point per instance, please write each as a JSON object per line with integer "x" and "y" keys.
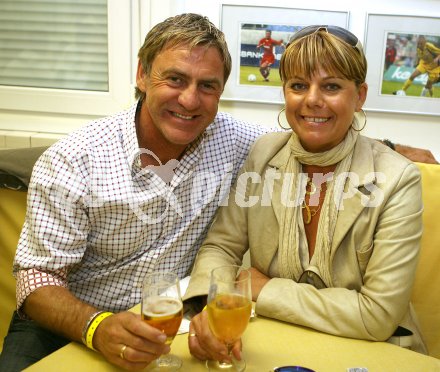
{"x": 403, "y": 54}
{"x": 256, "y": 37}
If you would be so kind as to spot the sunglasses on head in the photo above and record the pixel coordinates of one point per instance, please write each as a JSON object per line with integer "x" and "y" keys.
{"x": 337, "y": 31}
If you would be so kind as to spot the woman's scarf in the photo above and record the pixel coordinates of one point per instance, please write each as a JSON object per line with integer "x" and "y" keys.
{"x": 289, "y": 260}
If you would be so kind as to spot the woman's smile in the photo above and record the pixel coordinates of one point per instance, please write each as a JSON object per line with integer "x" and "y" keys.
{"x": 318, "y": 120}
{"x": 320, "y": 108}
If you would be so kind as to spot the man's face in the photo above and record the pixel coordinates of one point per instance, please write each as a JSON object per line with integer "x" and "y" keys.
{"x": 268, "y": 34}
{"x": 182, "y": 94}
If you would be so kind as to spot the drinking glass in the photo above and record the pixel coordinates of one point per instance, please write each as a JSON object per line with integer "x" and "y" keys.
{"x": 162, "y": 308}
{"x": 229, "y": 308}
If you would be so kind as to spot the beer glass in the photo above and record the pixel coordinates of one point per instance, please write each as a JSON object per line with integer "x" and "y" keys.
{"x": 229, "y": 308}
{"x": 162, "y": 308}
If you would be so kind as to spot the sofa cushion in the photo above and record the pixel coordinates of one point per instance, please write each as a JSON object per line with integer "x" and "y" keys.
{"x": 12, "y": 212}
{"x": 16, "y": 166}
{"x": 426, "y": 291}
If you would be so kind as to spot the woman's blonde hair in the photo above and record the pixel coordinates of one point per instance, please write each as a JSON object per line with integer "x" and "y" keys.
{"x": 321, "y": 49}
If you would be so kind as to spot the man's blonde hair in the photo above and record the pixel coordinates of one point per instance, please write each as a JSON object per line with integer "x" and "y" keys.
{"x": 321, "y": 49}
{"x": 190, "y": 30}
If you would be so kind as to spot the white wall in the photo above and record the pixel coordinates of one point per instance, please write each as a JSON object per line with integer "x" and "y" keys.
{"x": 416, "y": 130}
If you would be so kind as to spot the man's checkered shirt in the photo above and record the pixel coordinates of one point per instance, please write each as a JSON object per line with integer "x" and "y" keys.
{"x": 97, "y": 222}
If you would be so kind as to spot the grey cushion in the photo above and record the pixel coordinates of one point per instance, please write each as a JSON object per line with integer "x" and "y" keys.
{"x": 16, "y": 166}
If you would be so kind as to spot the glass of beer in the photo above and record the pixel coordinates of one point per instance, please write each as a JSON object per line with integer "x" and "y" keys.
{"x": 162, "y": 308}
{"x": 229, "y": 309}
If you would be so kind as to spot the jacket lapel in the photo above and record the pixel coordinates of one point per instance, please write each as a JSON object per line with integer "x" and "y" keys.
{"x": 362, "y": 168}
{"x": 278, "y": 165}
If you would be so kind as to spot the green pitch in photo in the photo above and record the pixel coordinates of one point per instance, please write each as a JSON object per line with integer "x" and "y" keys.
{"x": 250, "y": 75}
{"x": 414, "y": 90}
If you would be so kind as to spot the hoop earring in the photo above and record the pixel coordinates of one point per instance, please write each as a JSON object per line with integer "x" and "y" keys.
{"x": 365, "y": 122}
{"x": 278, "y": 119}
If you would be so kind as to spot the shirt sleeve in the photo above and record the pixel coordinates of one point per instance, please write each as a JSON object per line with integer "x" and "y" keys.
{"x": 54, "y": 234}
{"x": 32, "y": 279}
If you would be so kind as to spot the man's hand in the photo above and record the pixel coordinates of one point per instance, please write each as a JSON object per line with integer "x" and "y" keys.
{"x": 55, "y": 308}
{"x": 143, "y": 342}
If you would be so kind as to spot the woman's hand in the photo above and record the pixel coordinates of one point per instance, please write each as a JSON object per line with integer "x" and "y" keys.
{"x": 204, "y": 345}
{"x": 258, "y": 281}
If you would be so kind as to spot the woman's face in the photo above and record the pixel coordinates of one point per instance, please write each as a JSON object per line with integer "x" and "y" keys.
{"x": 320, "y": 110}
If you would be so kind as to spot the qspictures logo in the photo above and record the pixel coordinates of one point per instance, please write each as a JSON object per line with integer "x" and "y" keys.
{"x": 210, "y": 187}
{"x": 205, "y": 186}
{"x": 137, "y": 198}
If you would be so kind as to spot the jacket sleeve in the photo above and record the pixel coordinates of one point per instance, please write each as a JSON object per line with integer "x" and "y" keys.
{"x": 373, "y": 308}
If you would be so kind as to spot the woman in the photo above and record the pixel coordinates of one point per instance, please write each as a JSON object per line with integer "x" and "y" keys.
{"x": 332, "y": 219}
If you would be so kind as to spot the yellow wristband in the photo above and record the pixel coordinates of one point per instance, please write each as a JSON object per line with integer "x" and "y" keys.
{"x": 206, "y": 306}
{"x": 93, "y": 326}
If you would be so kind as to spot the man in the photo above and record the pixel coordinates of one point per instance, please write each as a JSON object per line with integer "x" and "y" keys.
{"x": 428, "y": 63}
{"x": 390, "y": 54}
{"x": 268, "y": 58}
{"x": 125, "y": 196}
{"x": 434, "y": 79}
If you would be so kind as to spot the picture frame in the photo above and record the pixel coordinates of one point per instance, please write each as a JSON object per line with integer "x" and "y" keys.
{"x": 398, "y": 35}
{"x": 244, "y": 26}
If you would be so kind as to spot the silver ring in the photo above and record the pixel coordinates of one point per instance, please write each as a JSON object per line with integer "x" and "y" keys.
{"x": 192, "y": 335}
{"x": 121, "y": 353}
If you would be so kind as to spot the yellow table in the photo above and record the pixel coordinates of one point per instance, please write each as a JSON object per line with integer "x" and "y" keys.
{"x": 269, "y": 343}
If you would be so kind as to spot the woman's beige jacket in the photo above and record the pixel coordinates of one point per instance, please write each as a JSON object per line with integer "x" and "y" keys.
{"x": 376, "y": 247}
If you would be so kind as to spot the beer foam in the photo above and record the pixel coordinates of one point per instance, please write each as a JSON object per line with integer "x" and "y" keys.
{"x": 162, "y": 306}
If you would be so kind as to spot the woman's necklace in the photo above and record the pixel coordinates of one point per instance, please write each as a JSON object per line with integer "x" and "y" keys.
{"x": 310, "y": 212}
